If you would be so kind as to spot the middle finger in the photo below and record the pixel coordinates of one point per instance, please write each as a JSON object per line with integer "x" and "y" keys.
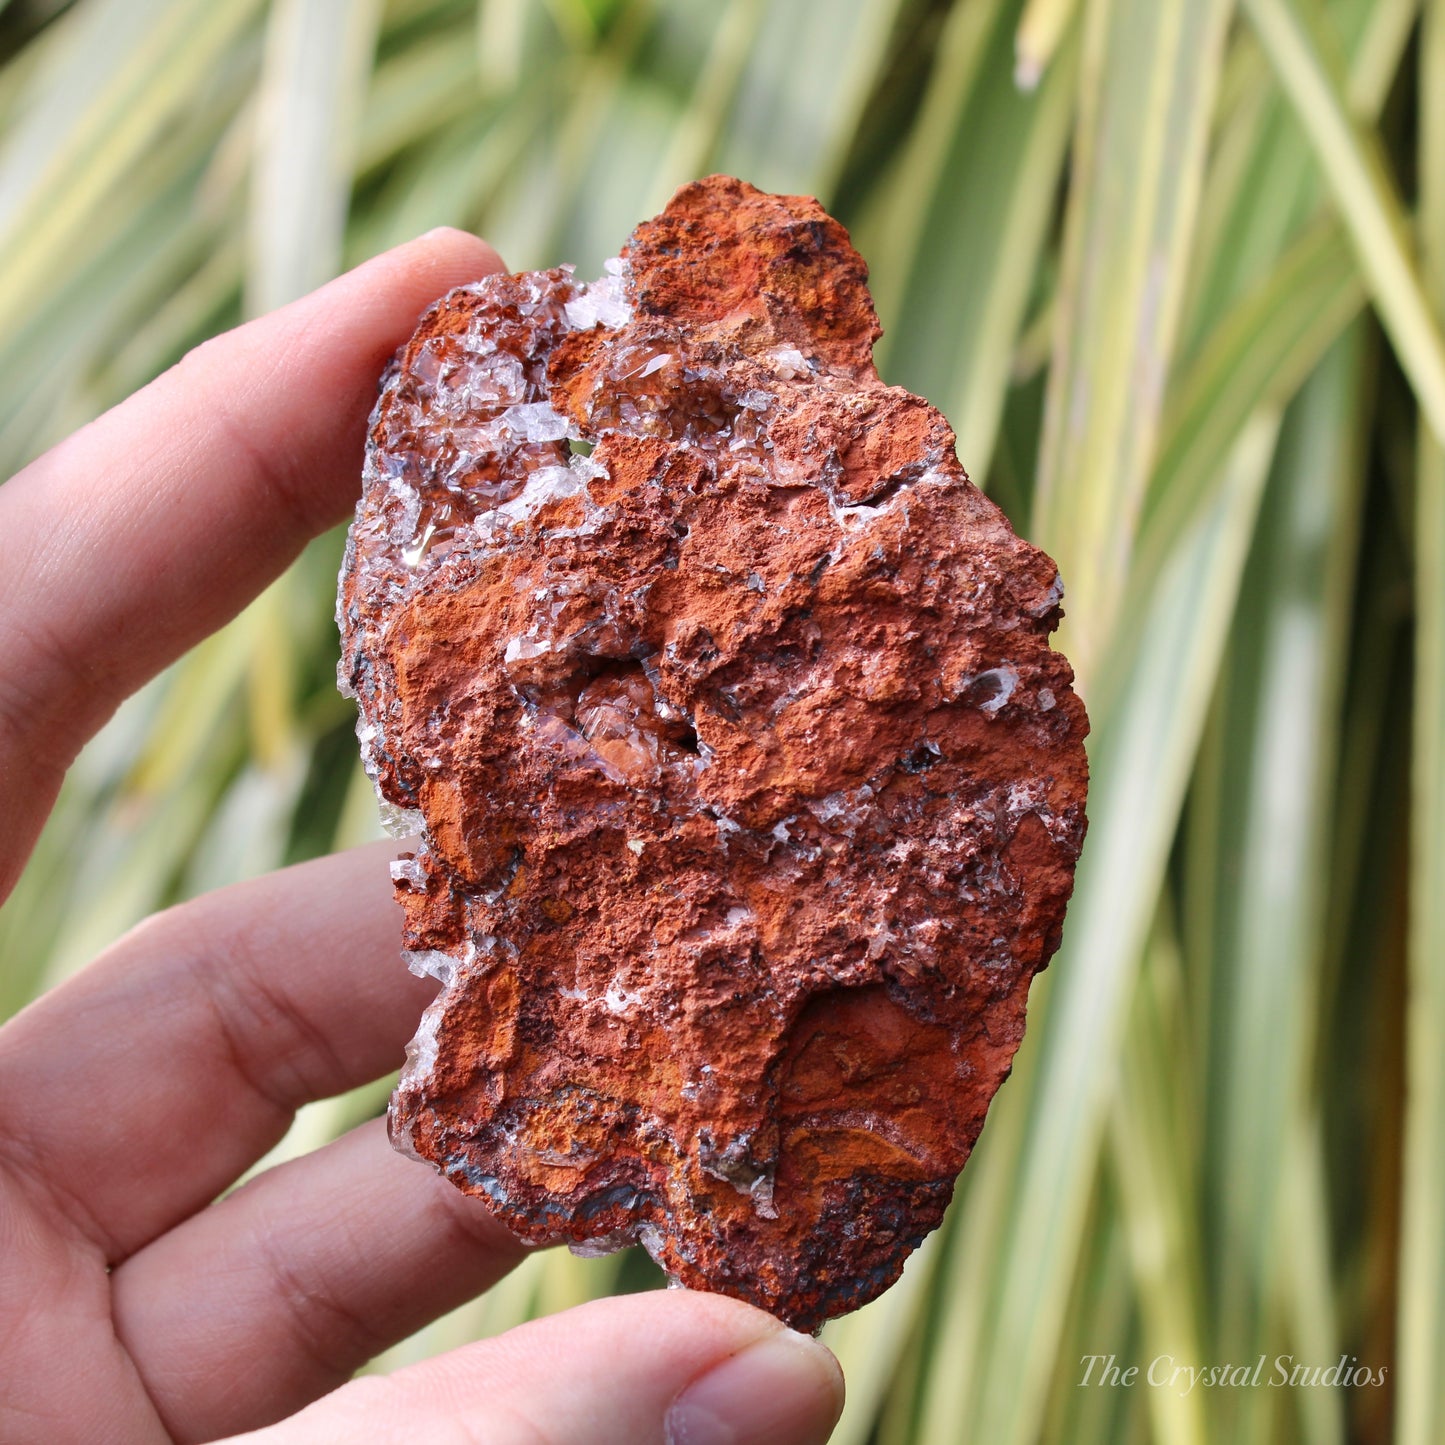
{"x": 199, "y": 1035}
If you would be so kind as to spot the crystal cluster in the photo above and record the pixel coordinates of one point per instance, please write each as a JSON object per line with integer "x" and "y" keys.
{"x": 748, "y": 788}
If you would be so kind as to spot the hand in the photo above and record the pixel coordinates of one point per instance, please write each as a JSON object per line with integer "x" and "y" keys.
{"x": 132, "y": 1308}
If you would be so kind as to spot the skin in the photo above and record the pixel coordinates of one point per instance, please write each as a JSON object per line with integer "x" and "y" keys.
{"x": 132, "y": 1306}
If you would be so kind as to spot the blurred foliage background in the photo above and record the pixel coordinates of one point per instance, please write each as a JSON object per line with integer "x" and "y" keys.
{"x": 1176, "y": 271}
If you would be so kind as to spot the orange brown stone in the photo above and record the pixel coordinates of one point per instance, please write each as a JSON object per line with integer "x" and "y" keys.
{"x": 751, "y": 787}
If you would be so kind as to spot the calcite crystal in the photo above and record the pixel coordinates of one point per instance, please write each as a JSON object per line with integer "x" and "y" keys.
{"x": 748, "y": 786}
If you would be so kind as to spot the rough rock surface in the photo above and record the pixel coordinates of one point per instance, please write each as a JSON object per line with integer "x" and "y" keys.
{"x": 751, "y": 787}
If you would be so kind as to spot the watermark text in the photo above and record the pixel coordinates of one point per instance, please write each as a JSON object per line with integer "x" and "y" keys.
{"x": 1166, "y": 1372}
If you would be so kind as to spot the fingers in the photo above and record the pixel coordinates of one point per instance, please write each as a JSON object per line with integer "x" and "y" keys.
{"x": 151, "y": 527}
{"x": 200, "y": 1033}
{"x": 669, "y": 1368}
{"x": 264, "y": 1301}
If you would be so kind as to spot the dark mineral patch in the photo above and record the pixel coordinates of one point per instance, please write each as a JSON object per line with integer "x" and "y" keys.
{"x": 751, "y": 787}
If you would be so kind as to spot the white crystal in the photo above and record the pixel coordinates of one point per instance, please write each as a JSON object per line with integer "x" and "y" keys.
{"x": 421, "y": 1052}
{"x": 401, "y": 822}
{"x": 618, "y": 999}
{"x": 522, "y": 648}
{"x": 790, "y": 362}
{"x": 1003, "y": 680}
{"x": 536, "y": 421}
{"x": 410, "y": 872}
{"x": 602, "y": 303}
{"x": 430, "y": 963}
{"x": 602, "y": 1245}
{"x": 586, "y": 466}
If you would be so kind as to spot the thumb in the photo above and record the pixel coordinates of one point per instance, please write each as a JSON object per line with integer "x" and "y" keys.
{"x": 667, "y": 1368}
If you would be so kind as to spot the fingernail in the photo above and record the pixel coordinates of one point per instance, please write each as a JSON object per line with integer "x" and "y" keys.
{"x": 784, "y": 1389}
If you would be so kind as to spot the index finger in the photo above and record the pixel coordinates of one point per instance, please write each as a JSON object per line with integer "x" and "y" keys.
{"x": 152, "y": 526}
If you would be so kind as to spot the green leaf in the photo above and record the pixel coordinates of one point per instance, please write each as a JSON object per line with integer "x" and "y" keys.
{"x": 1259, "y": 353}
{"x": 1272, "y": 816}
{"x": 803, "y": 93}
{"x": 1358, "y": 176}
{"x": 953, "y": 306}
{"x": 1140, "y": 760}
{"x": 106, "y": 95}
{"x": 1150, "y": 68}
{"x": 1151, "y": 1128}
{"x": 318, "y": 60}
{"x": 1040, "y": 31}
{"x": 870, "y": 1342}
{"x": 1421, "y": 1402}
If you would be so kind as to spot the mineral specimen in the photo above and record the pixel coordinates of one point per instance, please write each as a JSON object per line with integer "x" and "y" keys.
{"x": 749, "y": 787}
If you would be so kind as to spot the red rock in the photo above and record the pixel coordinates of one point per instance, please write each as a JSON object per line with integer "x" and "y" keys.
{"x": 752, "y": 789}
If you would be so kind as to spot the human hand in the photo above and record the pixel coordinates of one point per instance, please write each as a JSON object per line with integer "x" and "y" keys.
{"x": 132, "y": 1308}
